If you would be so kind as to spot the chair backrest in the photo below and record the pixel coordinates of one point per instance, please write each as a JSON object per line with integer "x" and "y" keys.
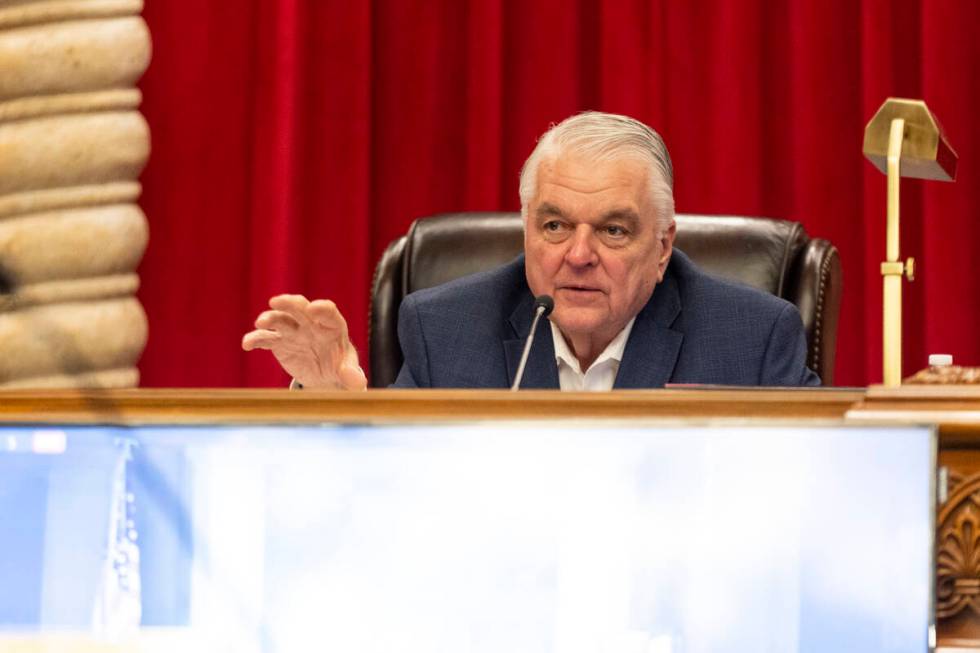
{"x": 776, "y": 256}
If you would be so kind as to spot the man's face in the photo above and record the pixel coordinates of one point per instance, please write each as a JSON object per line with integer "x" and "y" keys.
{"x": 591, "y": 242}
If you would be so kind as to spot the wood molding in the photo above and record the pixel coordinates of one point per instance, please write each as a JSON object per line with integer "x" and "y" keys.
{"x": 198, "y": 406}
{"x": 954, "y": 408}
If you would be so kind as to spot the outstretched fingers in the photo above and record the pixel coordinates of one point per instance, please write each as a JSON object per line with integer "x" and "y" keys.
{"x": 292, "y": 305}
{"x": 325, "y": 314}
{"x": 310, "y": 340}
{"x": 276, "y": 321}
{"x": 260, "y": 339}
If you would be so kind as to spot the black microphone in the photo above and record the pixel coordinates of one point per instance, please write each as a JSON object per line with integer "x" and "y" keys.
{"x": 543, "y": 305}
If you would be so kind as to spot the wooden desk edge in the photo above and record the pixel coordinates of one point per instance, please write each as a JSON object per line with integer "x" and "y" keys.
{"x": 192, "y": 406}
{"x": 955, "y": 409}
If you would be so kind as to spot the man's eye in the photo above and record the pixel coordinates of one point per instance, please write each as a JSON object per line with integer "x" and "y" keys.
{"x": 552, "y": 225}
{"x": 615, "y": 231}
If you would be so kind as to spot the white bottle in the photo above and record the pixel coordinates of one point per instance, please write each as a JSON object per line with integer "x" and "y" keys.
{"x": 940, "y": 360}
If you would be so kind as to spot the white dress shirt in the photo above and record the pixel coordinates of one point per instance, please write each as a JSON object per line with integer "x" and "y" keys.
{"x": 601, "y": 374}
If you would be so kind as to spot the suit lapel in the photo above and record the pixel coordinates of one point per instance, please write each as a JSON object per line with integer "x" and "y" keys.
{"x": 541, "y": 370}
{"x": 652, "y": 349}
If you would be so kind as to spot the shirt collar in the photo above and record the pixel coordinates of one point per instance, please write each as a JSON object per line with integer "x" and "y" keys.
{"x": 613, "y": 351}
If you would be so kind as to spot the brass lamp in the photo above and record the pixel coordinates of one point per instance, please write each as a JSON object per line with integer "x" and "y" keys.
{"x": 903, "y": 139}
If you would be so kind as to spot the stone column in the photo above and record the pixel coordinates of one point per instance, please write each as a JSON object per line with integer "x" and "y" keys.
{"x": 72, "y": 146}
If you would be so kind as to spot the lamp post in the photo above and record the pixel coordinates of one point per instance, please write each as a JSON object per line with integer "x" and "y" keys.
{"x": 903, "y": 139}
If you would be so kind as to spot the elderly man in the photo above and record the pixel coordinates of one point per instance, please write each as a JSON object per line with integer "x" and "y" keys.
{"x": 630, "y": 311}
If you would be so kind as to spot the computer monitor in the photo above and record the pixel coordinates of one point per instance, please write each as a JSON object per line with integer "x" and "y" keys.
{"x": 551, "y": 536}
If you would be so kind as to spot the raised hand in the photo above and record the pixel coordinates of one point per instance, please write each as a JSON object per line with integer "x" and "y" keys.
{"x": 310, "y": 341}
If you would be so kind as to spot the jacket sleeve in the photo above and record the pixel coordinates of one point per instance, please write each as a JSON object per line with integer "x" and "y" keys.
{"x": 415, "y": 368}
{"x": 784, "y": 363}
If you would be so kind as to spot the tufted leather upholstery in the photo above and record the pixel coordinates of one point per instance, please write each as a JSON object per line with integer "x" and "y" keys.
{"x": 773, "y": 255}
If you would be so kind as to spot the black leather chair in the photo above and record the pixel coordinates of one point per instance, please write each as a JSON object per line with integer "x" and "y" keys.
{"x": 773, "y": 255}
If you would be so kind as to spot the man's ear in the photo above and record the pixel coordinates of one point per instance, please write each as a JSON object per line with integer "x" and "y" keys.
{"x": 666, "y": 249}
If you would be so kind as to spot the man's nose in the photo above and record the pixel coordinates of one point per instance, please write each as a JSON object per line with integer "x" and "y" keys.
{"x": 582, "y": 248}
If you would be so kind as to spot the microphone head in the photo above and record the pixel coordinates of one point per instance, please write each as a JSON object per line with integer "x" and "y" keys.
{"x": 545, "y": 302}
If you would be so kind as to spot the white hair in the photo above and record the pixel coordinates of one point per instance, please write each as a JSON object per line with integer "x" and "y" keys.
{"x": 605, "y": 137}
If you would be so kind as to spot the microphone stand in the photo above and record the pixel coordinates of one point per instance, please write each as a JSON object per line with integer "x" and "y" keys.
{"x": 542, "y": 306}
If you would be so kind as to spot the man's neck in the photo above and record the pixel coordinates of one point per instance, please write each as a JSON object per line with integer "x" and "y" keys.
{"x": 586, "y": 349}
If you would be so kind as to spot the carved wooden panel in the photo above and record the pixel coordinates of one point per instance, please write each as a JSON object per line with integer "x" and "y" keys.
{"x": 958, "y": 562}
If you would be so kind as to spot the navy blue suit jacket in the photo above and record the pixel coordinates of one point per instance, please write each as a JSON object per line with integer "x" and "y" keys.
{"x": 469, "y": 333}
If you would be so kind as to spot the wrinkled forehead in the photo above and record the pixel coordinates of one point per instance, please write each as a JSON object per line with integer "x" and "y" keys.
{"x": 586, "y": 178}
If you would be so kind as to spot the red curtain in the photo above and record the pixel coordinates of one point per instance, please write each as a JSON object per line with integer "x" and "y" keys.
{"x": 293, "y": 140}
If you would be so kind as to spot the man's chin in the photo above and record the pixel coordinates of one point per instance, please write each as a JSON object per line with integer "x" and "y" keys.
{"x": 581, "y": 322}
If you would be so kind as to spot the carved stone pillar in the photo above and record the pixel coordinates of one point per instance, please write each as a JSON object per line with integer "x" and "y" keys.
{"x": 72, "y": 146}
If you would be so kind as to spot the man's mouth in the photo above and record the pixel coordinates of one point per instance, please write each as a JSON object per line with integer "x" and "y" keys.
{"x": 579, "y": 291}
{"x": 575, "y": 286}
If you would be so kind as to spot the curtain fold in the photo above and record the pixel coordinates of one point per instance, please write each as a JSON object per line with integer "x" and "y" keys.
{"x": 293, "y": 140}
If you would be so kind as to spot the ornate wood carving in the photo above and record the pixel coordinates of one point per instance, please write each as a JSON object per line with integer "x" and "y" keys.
{"x": 958, "y": 551}
{"x": 948, "y": 375}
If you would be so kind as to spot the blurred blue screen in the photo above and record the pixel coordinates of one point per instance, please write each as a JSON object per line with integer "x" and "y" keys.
{"x": 535, "y": 537}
